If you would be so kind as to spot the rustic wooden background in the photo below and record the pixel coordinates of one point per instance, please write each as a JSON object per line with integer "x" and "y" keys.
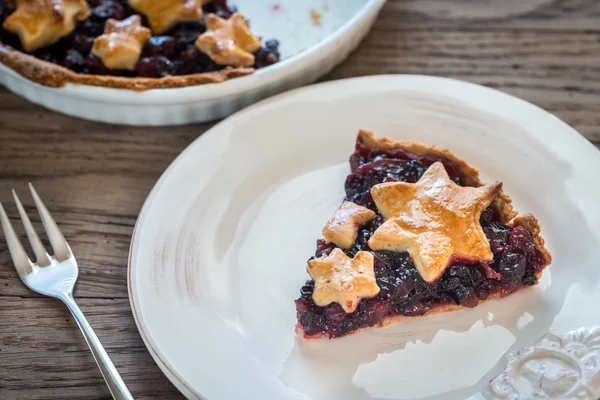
{"x": 95, "y": 177}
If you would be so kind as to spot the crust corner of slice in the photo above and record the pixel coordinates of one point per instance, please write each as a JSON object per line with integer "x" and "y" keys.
{"x": 531, "y": 223}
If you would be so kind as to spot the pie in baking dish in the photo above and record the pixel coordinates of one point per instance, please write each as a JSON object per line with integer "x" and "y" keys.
{"x": 135, "y": 44}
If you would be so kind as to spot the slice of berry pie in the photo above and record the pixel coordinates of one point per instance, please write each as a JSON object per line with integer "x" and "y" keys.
{"x": 132, "y": 44}
{"x": 417, "y": 234}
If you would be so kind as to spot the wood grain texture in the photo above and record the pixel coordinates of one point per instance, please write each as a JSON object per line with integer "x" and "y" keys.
{"x": 44, "y": 355}
{"x": 94, "y": 178}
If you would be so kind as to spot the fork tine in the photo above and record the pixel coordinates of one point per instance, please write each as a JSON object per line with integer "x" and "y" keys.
{"x": 57, "y": 240}
{"x": 22, "y": 263}
{"x": 41, "y": 256}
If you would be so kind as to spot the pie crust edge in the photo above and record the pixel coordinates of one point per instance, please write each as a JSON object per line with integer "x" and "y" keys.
{"x": 53, "y": 75}
{"x": 391, "y": 320}
{"x": 503, "y": 204}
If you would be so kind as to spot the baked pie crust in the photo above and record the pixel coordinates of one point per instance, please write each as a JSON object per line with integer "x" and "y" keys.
{"x": 54, "y": 75}
{"x": 164, "y": 14}
{"x": 121, "y": 44}
{"x": 393, "y": 206}
{"x": 343, "y": 280}
{"x": 228, "y": 41}
{"x": 40, "y": 23}
{"x": 342, "y": 227}
{"x": 435, "y": 220}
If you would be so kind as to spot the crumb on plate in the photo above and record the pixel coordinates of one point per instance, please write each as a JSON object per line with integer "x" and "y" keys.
{"x": 316, "y": 17}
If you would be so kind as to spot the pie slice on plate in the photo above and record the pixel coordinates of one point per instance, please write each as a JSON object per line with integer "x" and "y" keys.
{"x": 418, "y": 233}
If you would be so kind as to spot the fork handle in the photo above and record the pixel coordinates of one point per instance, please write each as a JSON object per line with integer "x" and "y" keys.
{"x": 115, "y": 383}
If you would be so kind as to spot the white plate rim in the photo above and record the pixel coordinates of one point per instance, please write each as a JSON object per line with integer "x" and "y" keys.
{"x": 169, "y": 370}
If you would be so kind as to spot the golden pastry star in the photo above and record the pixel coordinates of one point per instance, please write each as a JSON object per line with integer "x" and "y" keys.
{"x": 40, "y": 23}
{"x": 344, "y": 280}
{"x": 434, "y": 220}
{"x": 342, "y": 228}
{"x": 228, "y": 42}
{"x": 164, "y": 14}
{"x": 121, "y": 45}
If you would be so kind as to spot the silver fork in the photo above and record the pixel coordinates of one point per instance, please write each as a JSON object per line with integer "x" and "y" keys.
{"x": 55, "y": 276}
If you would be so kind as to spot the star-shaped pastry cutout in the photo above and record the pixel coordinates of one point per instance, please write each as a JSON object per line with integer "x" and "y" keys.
{"x": 40, "y": 23}
{"x": 343, "y": 226}
{"x": 434, "y": 220}
{"x": 343, "y": 280}
{"x": 228, "y": 42}
{"x": 164, "y": 14}
{"x": 121, "y": 44}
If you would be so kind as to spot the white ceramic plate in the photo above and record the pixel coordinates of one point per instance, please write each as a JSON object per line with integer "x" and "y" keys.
{"x": 219, "y": 251}
{"x": 308, "y": 52}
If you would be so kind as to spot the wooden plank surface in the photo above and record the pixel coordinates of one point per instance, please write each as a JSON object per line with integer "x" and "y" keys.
{"x": 95, "y": 177}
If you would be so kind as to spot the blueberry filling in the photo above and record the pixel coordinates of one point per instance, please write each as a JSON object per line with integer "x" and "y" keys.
{"x": 402, "y": 290}
{"x": 172, "y": 53}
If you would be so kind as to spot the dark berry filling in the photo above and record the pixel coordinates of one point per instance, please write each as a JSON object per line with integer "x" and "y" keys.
{"x": 402, "y": 290}
{"x": 172, "y": 53}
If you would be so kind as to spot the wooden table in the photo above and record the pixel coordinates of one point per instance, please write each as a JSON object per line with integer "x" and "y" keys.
{"x": 94, "y": 177}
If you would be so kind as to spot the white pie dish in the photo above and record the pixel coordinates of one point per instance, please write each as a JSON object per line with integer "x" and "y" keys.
{"x": 216, "y": 264}
{"x": 308, "y": 52}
